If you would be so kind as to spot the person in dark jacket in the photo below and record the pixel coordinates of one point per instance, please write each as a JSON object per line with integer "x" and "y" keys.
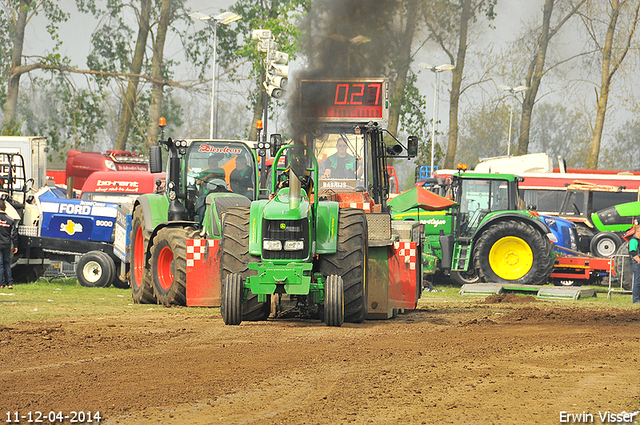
{"x": 8, "y": 238}
{"x": 241, "y": 179}
{"x": 634, "y": 249}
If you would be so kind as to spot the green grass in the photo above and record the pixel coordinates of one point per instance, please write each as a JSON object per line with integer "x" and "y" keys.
{"x": 66, "y": 298}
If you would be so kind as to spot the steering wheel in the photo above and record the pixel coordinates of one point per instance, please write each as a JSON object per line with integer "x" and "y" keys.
{"x": 216, "y": 185}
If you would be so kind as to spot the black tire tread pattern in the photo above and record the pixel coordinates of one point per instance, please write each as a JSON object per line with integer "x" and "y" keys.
{"x": 174, "y": 238}
{"x": 112, "y": 268}
{"x": 141, "y": 292}
{"x": 235, "y": 259}
{"x": 349, "y": 262}
{"x": 334, "y": 301}
{"x": 231, "y": 305}
{"x": 540, "y": 246}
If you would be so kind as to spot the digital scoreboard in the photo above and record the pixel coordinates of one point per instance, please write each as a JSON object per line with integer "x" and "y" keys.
{"x": 349, "y": 100}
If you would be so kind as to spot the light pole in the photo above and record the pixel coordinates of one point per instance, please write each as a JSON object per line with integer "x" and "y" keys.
{"x": 224, "y": 18}
{"x": 436, "y": 70}
{"x": 513, "y": 91}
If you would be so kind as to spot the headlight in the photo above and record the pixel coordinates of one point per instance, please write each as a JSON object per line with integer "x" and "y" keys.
{"x": 552, "y": 238}
{"x": 271, "y": 245}
{"x": 110, "y": 165}
{"x": 293, "y": 245}
{"x": 550, "y": 221}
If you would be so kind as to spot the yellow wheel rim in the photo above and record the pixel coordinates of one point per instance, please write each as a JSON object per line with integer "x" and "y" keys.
{"x": 510, "y": 258}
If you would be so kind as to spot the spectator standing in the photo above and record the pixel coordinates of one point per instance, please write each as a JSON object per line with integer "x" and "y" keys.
{"x": 635, "y": 263}
{"x": 8, "y": 245}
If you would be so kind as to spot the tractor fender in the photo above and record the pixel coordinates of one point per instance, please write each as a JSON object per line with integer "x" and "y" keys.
{"x": 155, "y": 209}
{"x": 537, "y": 224}
{"x": 327, "y": 230}
{"x": 255, "y": 226}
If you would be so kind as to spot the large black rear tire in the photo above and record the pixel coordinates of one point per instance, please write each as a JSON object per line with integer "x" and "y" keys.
{"x": 334, "y": 301}
{"x": 350, "y": 262}
{"x": 236, "y": 258}
{"x": 169, "y": 264}
{"x": 513, "y": 252}
{"x": 231, "y": 300}
{"x": 140, "y": 276}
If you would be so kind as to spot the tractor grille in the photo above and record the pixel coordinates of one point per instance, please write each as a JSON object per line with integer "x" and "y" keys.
{"x": 286, "y": 230}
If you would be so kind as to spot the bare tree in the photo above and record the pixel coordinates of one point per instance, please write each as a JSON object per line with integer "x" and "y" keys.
{"x": 612, "y": 51}
{"x": 406, "y": 28}
{"x": 537, "y": 70}
{"x": 131, "y": 95}
{"x": 155, "y": 108}
{"x": 448, "y": 23}
{"x": 20, "y": 13}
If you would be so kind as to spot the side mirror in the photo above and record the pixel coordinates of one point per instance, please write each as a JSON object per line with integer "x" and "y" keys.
{"x": 276, "y": 143}
{"x": 155, "y": 159}
{"x": 412, "y": 146}
{"x": 394, "y": 150}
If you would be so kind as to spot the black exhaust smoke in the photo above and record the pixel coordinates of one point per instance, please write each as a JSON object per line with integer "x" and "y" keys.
{"x": 345, "y": 39}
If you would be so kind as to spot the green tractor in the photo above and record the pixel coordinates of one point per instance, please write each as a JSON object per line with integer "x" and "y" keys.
{"x": 175, "y": 234}
{"x": 304, "y": 255}
{"x": 486, "y": 237}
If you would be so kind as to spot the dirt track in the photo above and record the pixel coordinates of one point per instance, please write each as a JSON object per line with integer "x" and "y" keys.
{"x": 473, "y": 363}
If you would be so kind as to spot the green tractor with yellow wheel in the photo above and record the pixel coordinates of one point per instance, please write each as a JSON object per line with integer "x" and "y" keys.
{"x": 304, "y": 256}
{"x": 486, "y": 237}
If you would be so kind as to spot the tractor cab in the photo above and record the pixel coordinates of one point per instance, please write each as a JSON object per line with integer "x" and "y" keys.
{"x": 201, "y": 170}
{"x": 481, "y": 194}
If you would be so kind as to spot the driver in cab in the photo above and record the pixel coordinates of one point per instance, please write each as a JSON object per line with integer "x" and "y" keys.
{"x": 341, "y": 165}
{"x": 241, "y": 179}
{"x": 214, "y": 171}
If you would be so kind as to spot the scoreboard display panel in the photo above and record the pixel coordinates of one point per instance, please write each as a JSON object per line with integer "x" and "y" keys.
{"x": 350, "y": 100}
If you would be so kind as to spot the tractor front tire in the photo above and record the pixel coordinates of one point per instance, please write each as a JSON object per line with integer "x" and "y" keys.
{"x": 112, "y": 266}
{"x": 513, "y": 252}
{"x": 465, "y": 278}
{"x": 231, "y": 299}
{"x": 140, "y": 276}
{"x": 350, "y": 262}
{"x": 169, "y": 264}
{"x": 605, "y": 244}
{"x": 94, "y": 270}
{"x": 334, "y": 301}
{"x": 236, "y": 258}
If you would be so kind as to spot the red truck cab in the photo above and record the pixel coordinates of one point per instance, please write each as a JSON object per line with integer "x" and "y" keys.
{"x": 80, "y": 165}
{"x": 121, "y": 187}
